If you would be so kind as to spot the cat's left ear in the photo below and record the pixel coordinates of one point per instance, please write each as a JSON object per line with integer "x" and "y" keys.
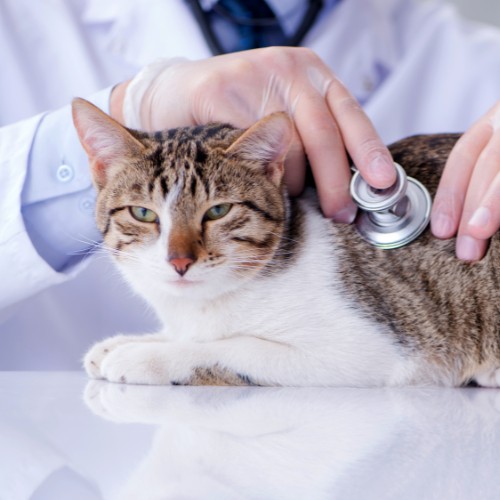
{"x": 108, "y": 144}
{"x": 267, "y": 143}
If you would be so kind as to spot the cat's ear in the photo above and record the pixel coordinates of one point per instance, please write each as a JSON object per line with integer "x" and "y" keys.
{"x": 267, "y": 143}
{"x": 107, "y": 143}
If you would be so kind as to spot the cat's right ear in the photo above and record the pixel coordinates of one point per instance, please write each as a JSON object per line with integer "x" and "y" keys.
{"x": 107, "y": 143}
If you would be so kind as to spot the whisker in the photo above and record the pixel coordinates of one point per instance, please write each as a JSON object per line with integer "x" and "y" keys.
{"x": 282, "y": 237}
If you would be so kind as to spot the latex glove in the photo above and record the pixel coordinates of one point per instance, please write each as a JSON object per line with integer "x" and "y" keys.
{"x": 468, "y": 197}
{"x": 242, "y": 87}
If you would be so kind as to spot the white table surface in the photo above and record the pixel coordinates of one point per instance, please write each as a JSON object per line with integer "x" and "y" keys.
{"x": 63, "y": 437}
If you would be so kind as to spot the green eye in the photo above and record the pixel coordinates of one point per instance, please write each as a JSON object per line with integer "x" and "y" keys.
{"x": 218, "y": 211}
{"x": 143, "y": 214}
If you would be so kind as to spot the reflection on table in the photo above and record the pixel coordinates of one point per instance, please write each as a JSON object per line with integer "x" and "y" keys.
{"x": 64, "y": 437}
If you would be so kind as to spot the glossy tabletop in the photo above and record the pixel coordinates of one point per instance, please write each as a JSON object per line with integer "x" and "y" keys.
{"x": 64, "y": 437}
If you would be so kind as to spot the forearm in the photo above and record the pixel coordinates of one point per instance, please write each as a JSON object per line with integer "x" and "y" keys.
{"x": 46, "y": 204}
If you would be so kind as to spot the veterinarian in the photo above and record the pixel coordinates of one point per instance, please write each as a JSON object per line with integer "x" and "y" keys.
{"x": 414, "y": 67}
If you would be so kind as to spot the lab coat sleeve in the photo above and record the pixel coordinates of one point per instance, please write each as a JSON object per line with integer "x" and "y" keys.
{"x": 46, "y": 204}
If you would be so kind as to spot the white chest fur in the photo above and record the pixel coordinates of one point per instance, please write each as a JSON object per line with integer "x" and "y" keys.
{"x": 302, "y": 307}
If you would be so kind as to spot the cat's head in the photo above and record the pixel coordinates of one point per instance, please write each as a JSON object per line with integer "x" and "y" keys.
{"x": 192, "y": 211}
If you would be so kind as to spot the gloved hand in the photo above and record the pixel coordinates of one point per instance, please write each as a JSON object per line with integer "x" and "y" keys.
{"x": 468, "y": 197}
{"x": 242, "y": 87}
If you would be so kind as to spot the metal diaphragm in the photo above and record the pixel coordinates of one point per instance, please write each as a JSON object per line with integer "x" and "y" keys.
{"x": 392, "y": 217}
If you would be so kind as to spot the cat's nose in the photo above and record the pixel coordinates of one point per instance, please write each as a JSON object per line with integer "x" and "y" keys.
{"x": 181, "y": 264}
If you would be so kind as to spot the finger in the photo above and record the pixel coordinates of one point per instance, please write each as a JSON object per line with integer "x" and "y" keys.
{"x": 483, "y": 180}
{"x": 325, "y": 150}
{"x": 485, "y": 220}
{"x": 368, "y": 152}
{"x": 469, "y": 248}
{"x": 295, "y": 166}
{"x": 450, "y": 196}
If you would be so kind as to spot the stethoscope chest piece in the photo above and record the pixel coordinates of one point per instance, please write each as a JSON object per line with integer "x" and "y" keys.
{"x": 393, "y": 217}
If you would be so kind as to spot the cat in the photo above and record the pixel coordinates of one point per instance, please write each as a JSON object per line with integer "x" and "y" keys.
{"x": 256, "y": 288}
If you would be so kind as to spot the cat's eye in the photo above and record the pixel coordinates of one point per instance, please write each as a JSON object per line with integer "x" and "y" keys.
{"x": 217, "y": 211}
{"x": 143, "y": 214}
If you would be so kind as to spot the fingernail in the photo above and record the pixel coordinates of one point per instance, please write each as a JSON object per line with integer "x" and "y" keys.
{"x": 383, "y": 170}
{"x": 346, "y": 215}
{"x": 442, "y": 226}
{"x": 481, "y": 217}
{"x": 468, "y": 248}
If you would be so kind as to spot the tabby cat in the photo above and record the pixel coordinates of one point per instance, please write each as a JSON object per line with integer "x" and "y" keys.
{"x": 254, "y": 287}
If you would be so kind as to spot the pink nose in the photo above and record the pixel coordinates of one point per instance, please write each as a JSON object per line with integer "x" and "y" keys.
{"x": 181, "y": 264}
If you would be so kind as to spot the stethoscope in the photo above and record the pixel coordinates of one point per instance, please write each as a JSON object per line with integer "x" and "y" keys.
{"x": 201, "y": 15}
{"x": 392, "y": 217}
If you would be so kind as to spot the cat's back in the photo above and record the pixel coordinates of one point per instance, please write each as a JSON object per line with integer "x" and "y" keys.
{"x": 422, "y": 293}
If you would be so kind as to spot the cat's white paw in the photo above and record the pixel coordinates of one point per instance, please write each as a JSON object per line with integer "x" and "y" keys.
{"x": 144, "y": 363}
{"x": 153, "y": 360}
{"x": 93, "y": 360}
{"x": 489, "y": 378}
{"x": 94, "y": 357}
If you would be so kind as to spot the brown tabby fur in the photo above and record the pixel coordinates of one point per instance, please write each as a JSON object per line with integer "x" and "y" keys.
{"x": 433, "y": 302}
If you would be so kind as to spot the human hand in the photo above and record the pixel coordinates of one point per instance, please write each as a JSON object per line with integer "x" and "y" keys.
{"x": 468, "y": 197}
{"x": 242, "y": 87}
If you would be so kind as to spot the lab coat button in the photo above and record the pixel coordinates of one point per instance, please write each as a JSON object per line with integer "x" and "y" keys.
{"x": 87, "y": 205}
{"x": 65, "y": 173}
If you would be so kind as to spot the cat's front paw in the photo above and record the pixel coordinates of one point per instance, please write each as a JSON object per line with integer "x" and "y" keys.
{"x": 139, "y": 363}
{"x": 94, "y": 358}
{"x": 152, "y": 360}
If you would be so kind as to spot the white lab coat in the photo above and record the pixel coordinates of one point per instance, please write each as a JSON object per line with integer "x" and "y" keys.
{"x": 414, "y": 65}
